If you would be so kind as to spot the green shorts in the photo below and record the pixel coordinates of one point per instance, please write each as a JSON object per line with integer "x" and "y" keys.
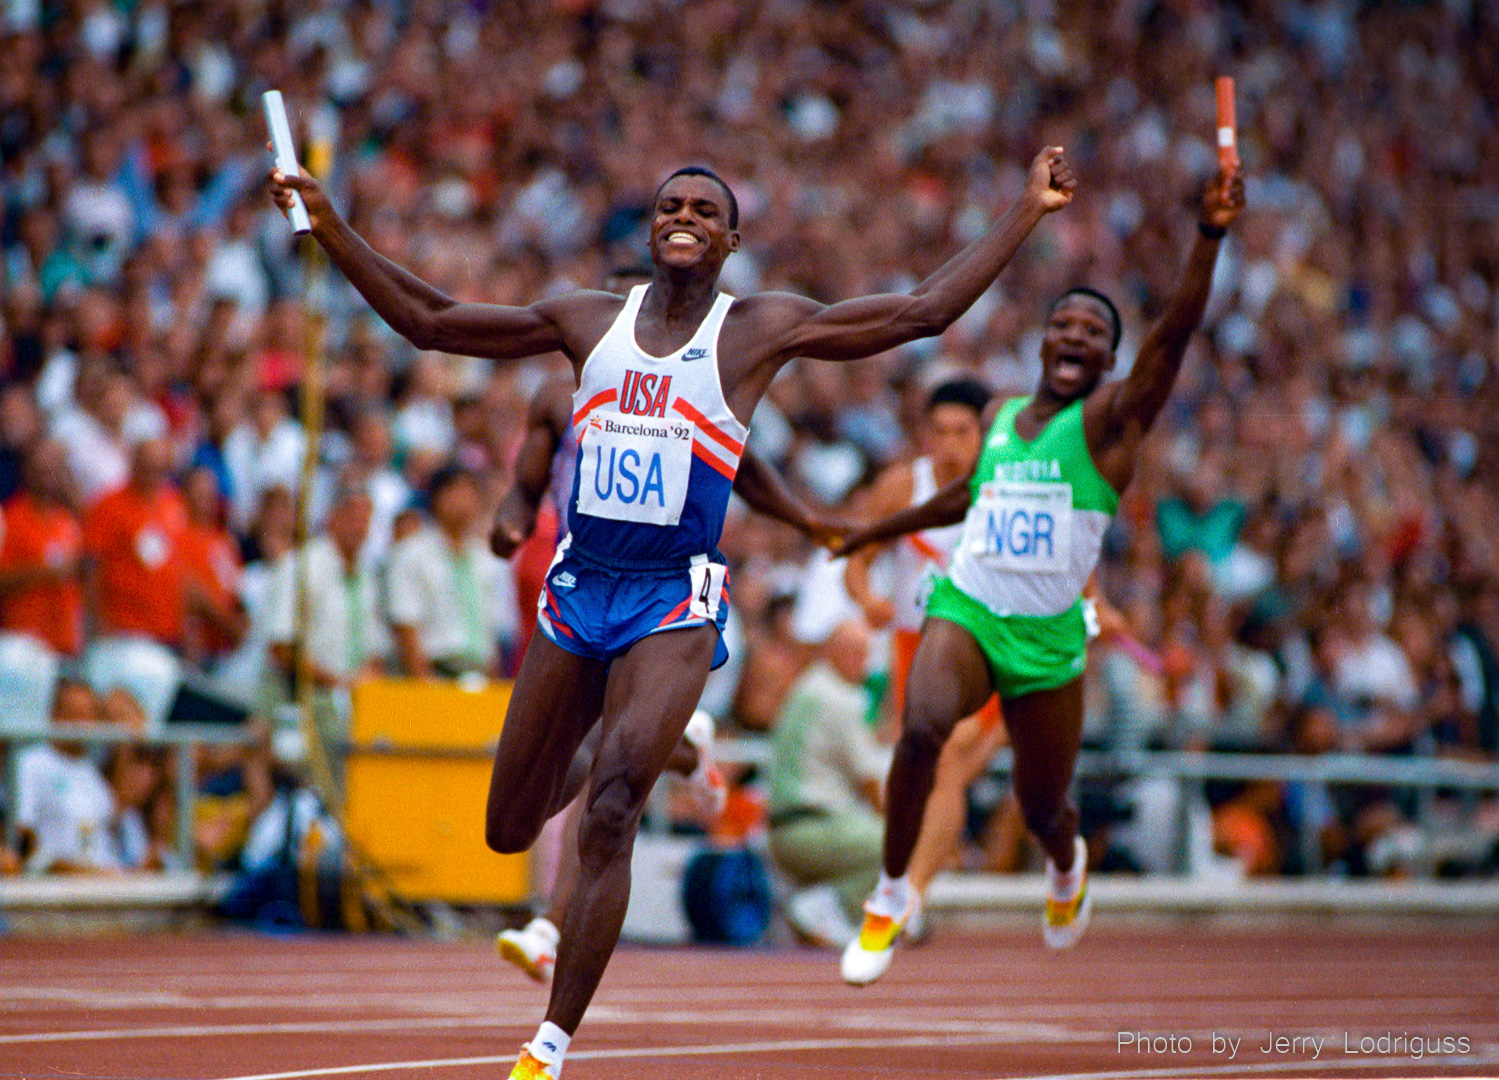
{"x": 1026, "y": 653}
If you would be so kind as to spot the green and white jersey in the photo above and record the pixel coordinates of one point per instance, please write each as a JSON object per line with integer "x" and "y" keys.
{"x": 1037, "y": 519}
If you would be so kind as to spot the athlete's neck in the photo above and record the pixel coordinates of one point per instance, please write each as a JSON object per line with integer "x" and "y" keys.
{"x": 679, "y": 297}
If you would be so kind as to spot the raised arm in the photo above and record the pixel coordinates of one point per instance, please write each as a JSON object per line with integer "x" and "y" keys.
{"x": 1120, "y": 417}
{"x": 861, "y": 327}
{"x": 948, "y": 507}
{"x": 425, "y": 316}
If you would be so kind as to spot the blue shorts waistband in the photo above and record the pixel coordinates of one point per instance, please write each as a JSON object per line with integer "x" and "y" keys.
{"x": 644, "y": 566}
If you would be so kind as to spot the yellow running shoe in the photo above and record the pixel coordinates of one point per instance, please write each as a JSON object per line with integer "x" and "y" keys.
{"x": 1066, "y": 917}
{"x": 868, "y": 955}
{"x": 531, "y": 1068}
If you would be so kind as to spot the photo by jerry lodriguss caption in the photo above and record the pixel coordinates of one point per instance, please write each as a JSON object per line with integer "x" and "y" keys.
{"x": 1387, "y": 1044}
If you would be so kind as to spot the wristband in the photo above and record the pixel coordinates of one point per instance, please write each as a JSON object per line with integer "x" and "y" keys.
{"x": 1212, "y": 232}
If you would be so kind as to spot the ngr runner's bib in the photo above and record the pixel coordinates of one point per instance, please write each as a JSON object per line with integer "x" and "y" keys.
{"x": 1021, "y": 527}
{"x": 635, "y": 468}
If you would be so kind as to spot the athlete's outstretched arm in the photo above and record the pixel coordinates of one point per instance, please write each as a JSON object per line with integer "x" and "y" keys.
{"x": 765, "y": 492}
{"x": 1142, "y": 394}
{"x": 425, "y": 316}
{"x": 948, "y": 507}
{"x": 852, "y": 329}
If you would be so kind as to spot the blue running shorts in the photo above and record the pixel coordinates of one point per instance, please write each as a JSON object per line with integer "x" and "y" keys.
{"x": 597, "y": 608}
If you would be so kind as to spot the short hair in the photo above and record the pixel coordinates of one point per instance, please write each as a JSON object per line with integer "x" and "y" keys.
{"x": 1094, "y": 294}
{"x": 445, "y": 478}
{"x": 964, "y": 391}
{"x": 703, "y": 170}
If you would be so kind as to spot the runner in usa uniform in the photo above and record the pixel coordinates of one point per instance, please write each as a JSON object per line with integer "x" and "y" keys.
{"x": 540, "y": 468}
{"x": 1008, "y": 617}
{"x": 667, "y": 380}
{"x": 951, "y": 436}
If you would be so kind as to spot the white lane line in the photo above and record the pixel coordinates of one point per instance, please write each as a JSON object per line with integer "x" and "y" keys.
{"x": 988, "y": 1030}
{"x": 1276, "y": 1067}
{"x": 346, "y": 1027}
{"x": 916, "y": 1042}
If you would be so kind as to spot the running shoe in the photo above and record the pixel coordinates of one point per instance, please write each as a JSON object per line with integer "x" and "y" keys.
{"x": 1067, "y": 911}
{"x": 709, "y": 790}
{"x": 816, "y": 913}
{"x": 533, "y": 949}
{"x": 533, "y": 1068}
{"x": 868, "y": 955}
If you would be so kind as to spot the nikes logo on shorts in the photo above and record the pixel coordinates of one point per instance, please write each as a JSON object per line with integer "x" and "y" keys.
{"x": 564, "y": 580}
{"x": 694, "y": 354}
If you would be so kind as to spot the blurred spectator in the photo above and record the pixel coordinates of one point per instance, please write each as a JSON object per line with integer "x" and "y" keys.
{"x": 264, "y": 450}
{"x": 827, "y": 789}
{"x": 65, "y": 811}
{"x": 451, "y": 601}
{"x": 41, "y": 594}
{"x": 136, "y": 588}
{"x": 134, "y": 540}
{"x": 211, "y": 561}
{"x": 321, "y": 598}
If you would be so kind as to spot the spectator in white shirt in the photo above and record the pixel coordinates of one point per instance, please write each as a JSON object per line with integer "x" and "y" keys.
{"x": 343, "y": 633}
{"x": 65, "y": 809}
{"x": 450, "y": 599}
{"x": 262, "y": 452}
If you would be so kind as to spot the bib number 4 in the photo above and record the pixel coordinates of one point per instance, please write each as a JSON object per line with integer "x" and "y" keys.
{"x": 707, "y": 590}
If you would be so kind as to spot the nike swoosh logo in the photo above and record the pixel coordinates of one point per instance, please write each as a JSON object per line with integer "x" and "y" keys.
{"x": 694, "y": 354}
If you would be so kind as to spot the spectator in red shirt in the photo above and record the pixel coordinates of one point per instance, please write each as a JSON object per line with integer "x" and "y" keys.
{"x": 40, "y": 591}
{"x": 134, "y": 541}
{"x": 212, "y": 562}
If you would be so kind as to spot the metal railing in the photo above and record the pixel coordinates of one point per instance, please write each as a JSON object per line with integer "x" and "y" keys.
{"x": 184, "y": 738}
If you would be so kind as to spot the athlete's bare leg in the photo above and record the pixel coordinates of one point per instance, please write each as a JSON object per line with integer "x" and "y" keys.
{"x": 949, "y": 680}
{"x": 966, "y": 754}
{"x": 652, "y": 690}
{"x": 556, "y": 701}
{"x": 1046, "y": 730}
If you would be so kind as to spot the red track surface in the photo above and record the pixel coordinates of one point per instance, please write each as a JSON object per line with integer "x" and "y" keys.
{"x": 220, "y": 1006}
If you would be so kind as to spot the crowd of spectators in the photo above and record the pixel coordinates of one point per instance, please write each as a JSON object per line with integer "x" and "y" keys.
{"x": 1308, "y": 548}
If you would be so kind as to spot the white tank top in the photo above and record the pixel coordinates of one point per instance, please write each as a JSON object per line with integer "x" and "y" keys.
{"x": 920, "y": 558}
{"x": 658, "y": 446}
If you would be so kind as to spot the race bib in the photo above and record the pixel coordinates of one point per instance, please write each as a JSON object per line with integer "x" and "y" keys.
{"x": 635, "y": 468}
{"x": 1022, "y": 527}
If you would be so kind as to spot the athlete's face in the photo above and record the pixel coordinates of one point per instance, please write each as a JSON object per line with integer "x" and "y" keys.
{"x": 953, "y": 439}
{"x": 691, "y": 226}
{"x": 1077, "y": 347}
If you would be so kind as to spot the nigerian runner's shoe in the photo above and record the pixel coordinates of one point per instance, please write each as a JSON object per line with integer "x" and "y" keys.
{"x": 868, "y": 955}
{"x": 533, "y": 1068}
{"x": 709, "y": 789}
{"x": 1067, "y": 910}
{"x": 532, "y": 949}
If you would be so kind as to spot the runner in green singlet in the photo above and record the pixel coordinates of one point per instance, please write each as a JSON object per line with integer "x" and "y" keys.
{"x": 1008, "y": 617}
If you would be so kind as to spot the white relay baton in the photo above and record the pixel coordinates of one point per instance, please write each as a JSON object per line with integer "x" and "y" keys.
{"x": 286, "y": 155}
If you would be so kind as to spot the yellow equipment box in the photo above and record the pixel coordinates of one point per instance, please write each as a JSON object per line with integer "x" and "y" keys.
{"x": 416, "y": 784}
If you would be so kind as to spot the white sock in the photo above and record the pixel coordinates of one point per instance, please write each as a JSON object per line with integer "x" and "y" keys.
{"x": 892, "y": 896}
{"x": 550, "y": 1043}
{"x": 1064, "y": 886}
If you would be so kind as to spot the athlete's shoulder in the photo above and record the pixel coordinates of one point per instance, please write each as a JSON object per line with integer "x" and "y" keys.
{"x": 773, "y": 309}
{"x": 580, "y": 306}
{"x": 996, "y": 406}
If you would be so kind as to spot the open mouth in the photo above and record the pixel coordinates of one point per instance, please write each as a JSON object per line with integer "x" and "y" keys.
{"x": 679, "y": 238}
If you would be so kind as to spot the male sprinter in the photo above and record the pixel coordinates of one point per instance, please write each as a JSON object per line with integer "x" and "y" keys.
{"x": 951, "y": 435}
{"x": 1008, "y": 617}
{"x": 668, "y": 378}
{"x": 539, "y": 467}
